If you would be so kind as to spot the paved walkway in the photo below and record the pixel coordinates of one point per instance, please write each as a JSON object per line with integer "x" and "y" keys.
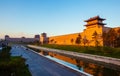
{"x": 41, "y": 66}
{"x": 105, "y": 60}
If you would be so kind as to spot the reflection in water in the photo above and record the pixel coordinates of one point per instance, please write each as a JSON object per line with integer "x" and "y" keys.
{"x": 86, "y": 66}
{"x": 72, "y": 66}
{"x": 61, "y": 61}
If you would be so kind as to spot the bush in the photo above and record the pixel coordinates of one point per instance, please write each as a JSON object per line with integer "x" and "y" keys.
{"x": 4, "y": 54}
{"x": 12, "y": 66}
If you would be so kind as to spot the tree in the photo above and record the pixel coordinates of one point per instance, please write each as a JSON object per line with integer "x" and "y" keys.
{"x": 118, "y": 41}
{"x": 112, "y": 37}
{"x": 78, "y": 39}
{"x": 51, "y": 41}
{"x": 118, "y": 31}
{"x": 105, "y": 39}
{"x": 85, "y": 41}
{"x": 95, "y": 36}
{"x": 72, "y": 40}
{"x": 118, "y": 38}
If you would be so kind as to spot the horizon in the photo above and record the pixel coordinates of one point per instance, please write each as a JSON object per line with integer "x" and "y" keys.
{"x": 55, "y": 17}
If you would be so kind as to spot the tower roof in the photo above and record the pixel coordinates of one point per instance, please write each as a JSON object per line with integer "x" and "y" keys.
{"x": 95, "y": 23}
{"x": 94, "y": 18}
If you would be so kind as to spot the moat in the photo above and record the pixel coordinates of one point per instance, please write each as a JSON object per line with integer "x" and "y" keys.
{"x": 88, "y": 66}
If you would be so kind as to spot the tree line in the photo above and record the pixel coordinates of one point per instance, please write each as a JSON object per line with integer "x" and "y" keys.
{"x": 112, "y": 38}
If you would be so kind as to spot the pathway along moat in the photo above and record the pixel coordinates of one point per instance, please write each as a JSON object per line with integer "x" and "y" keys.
{"x": 85, "y": 65}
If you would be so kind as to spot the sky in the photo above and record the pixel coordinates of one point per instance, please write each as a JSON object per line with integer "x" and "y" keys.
{"x": 55, "y": 17}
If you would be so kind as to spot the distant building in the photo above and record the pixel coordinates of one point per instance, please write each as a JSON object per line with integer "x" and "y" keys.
{"x": 43, "y": 38}
{"x": 37, "y": 38}
{"x": 22, "y": 39}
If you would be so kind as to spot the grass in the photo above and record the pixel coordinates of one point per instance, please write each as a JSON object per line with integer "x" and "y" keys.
{"x": 12, "y": 66}
{"x": 103, "y": 51}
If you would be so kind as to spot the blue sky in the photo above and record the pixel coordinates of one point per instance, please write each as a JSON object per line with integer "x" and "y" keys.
{"x": 55, "y": 17}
